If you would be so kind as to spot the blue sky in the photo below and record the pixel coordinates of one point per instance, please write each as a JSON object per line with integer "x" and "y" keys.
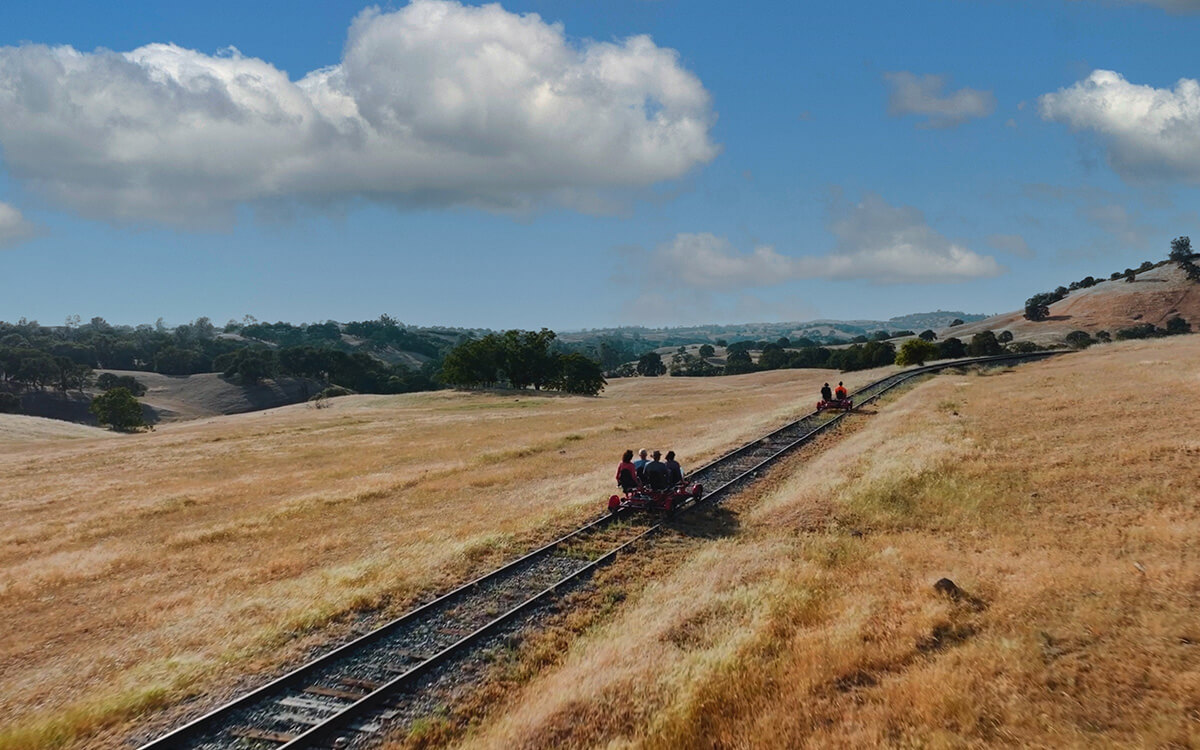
{"x": 570, "y": 165}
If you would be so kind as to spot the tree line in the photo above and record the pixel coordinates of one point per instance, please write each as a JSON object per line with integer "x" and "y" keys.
{"x": 520, "y": 359}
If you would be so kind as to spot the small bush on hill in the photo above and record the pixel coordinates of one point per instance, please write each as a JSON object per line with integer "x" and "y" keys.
{"x": 1079, "y": 339}
{"x": 1141, "y": 331}
{"x": 1024, "y": 347}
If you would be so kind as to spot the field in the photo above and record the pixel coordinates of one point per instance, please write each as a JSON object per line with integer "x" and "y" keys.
{"x": 137, "y": 571}
{"x": 1062, "y": 499}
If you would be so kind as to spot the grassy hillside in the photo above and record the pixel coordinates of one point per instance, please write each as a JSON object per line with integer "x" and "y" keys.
{"x": 137, "y": 570}
{"x": 1154, "y": 297}
{"x": 1060, "y": 497}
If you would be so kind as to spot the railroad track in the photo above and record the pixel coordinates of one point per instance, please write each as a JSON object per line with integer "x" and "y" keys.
{"x": 345, "y": 698}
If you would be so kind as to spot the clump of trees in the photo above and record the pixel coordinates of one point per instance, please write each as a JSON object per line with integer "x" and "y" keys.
{"x": 519, "y": 359}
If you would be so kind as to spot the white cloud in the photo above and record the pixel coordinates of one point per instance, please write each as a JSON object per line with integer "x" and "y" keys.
{"x": 876, "y": 242}
{"x": 1150, "y": 133}
{"x": 14, "y": 227}
{"x": 922, "y": 95}
{"x": 434, "y": 104}
{"x": 1178, "y": 7}
{"x": 1013, "y": 244}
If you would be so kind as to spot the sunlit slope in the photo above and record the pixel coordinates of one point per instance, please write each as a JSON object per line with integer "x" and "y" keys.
{"x": 20, "y": 428}
{"x": 1155, "y": 297}
{"x": 1062, "y": 497}
{"x": 137, "y": 569}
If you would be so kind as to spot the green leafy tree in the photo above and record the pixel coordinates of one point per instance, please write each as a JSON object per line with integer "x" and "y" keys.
{"x": 579, "y": 374}
{"x": 916, "y": 352}
{"x": 952, "y": 348}
{"x": 1004, "y": 337}
{"x": 528, "y": 359}
{"x": 118, "y": 409}
{"x": 927, "y": 335}
{"x": 1130, "y": 275}
{"x": 251, "y": 366}
{"x": 1037, "y": 307}
{"x": 1181, "y": 248}
{"x": 738, "y": 362}
{"x": 651, "y": 365}
{"x": 773, "y": 357}
{"x": 707, "y": 350}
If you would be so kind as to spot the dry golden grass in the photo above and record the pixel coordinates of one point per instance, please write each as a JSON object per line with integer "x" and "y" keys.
{"x": 1061, "y": 497}
{"x": 138, "y": 570}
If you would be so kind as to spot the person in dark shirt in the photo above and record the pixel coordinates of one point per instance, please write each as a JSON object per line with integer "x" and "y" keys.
{"x": 656, "y": 474}
{"x": 826, "y": 394}
{"x": 640, "y": 464}
{"x": 674, "y": 470}
{"x": 626, "y": 473}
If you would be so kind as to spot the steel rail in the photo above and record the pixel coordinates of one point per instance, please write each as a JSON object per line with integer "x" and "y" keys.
{"x": 338, "y": 722}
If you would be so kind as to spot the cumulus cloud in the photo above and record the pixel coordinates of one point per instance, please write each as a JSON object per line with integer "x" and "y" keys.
{"x": 14, "y": 227}
{"x": 434, "y": 104}
{"x": 1149, "y": 133}
{"x": 922, "y": 95}
{"x": 1178, "y": 7}
{"x": 876, "y": 242}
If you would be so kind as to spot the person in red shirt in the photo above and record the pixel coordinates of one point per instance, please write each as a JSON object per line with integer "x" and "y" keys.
{"x": 627, "y": 475}
{"x": 840, "y": 392}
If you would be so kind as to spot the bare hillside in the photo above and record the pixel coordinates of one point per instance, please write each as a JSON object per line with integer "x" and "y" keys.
{"x": 1155, "y": 297}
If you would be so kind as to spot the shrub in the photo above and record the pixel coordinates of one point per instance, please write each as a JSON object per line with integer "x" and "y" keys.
{"x": 1141, "y": 331}
{"x": 333, "y": 391}
{"x": 1004, "y": 337}
{"x": 1176, "y": 326}
{"x": 1103, "y": 336}
{"x": 1079, "y": 339}
{"x": 1024, "y": 347}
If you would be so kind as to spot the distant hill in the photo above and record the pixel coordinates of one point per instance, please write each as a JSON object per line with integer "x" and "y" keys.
{"x": 1154, "y": 297}
{"x": 820, "y": 330}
